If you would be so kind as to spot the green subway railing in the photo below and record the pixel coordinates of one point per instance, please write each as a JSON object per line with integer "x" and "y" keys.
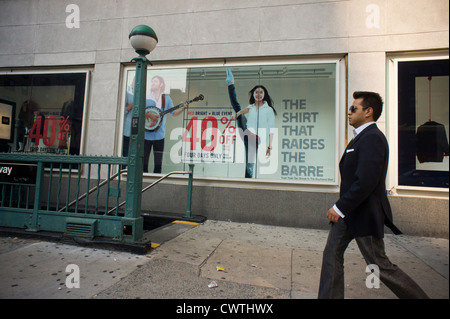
{"x": 74, "y": 195}
{"x": 48, "y": 197}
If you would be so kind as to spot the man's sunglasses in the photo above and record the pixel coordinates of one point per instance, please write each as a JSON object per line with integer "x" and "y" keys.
{"x": 354, "y": 108}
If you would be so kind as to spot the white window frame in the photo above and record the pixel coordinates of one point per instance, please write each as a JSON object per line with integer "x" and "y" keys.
{"x": 392, "y": 126}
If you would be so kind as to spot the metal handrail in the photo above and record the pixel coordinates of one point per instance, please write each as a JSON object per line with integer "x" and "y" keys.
{"x": 112, "y": 177}
{"x": 153, "y": 184}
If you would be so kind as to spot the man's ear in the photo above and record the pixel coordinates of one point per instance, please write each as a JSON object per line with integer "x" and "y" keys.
{"x": 369, "y": 112}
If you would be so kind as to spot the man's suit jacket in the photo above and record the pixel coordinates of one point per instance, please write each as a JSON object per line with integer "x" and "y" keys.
{"x": 363, "y": 198}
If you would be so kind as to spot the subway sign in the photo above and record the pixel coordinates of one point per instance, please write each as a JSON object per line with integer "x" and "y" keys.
{"x": 18, "y": 173}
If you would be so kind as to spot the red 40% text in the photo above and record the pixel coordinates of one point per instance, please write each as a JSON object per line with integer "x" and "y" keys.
{"x": 209, "y": 131}
{"x": 38, "y": 131}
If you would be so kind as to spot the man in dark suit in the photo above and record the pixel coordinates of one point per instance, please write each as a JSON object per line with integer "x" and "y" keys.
{"x": 363, "y": 208}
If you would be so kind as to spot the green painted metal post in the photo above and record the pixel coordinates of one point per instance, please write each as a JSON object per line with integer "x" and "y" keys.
{"x": 133, "y": 223}
{"x": 189, "y": 193}
{"x": 143, "y": 39}
{"x": 34, "y": 222}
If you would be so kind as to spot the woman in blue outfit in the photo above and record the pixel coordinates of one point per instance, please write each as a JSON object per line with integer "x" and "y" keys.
{"x": 254, "y": 122}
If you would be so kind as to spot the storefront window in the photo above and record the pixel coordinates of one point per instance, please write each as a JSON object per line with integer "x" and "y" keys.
{"x": 423, "y": 123}
{"x": 7, "y": 115}
{"x": 290, "y": 136}
{"x": 49, "y": 111}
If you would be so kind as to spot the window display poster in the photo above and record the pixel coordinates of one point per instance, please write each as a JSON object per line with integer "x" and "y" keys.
{"x": 49, "y": 111}
{"x": 293, "y": 139}
{"x": 423, "y": 125}
{"x": 209, "y": 135}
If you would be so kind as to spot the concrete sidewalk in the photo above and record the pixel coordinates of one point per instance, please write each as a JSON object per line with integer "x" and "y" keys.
{"x": 214, "y": 260}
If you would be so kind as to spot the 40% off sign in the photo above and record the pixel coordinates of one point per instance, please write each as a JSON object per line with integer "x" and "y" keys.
{"x": 209, "y": 139}
{"x": 47, "y": 130}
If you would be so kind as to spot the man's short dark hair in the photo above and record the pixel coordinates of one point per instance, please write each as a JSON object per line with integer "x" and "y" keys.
{"x": 370, "y": 99}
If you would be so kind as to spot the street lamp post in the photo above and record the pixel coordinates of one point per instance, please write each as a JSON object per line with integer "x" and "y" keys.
{"x": 143, "y": 39}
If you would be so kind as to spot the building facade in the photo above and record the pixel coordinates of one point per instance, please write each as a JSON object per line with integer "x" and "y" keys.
{"x": 66, "y": 67}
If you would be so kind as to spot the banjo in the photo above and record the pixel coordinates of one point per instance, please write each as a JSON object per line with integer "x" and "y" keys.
{"x": 153, "y": 125}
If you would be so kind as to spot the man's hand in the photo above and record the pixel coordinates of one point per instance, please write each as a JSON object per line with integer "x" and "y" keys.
{"x": 332, "y": 215}
{"x": 152, "y": 116}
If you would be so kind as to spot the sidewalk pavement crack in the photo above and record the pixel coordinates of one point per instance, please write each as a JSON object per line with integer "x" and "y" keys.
{"x": 292, "y": 277}
{"x": 199, "y": 272}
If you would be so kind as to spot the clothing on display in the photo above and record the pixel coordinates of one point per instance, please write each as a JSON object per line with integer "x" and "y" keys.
{"x": 431, "y": 142}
